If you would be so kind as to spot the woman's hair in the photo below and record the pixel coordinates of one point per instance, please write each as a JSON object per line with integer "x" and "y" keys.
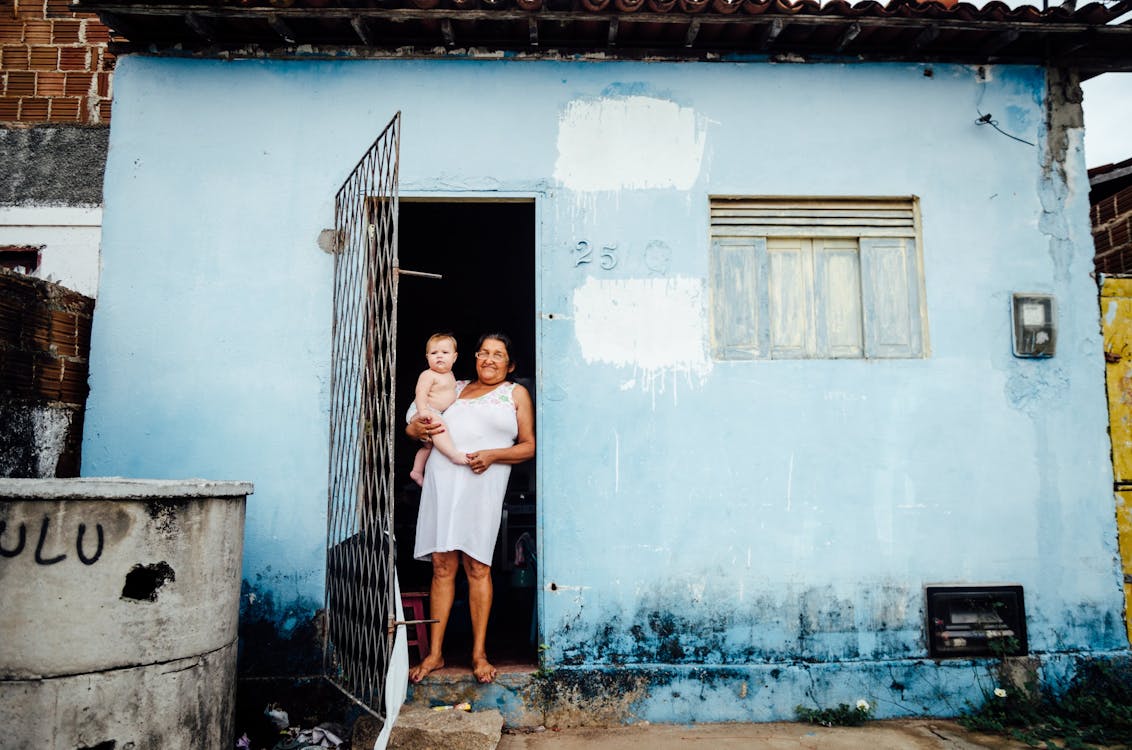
{"x": 503, "y": 338}
{"x": 443, "y": 335}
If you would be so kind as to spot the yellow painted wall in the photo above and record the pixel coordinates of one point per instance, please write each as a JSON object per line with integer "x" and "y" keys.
{"x": 1116, "y": 321}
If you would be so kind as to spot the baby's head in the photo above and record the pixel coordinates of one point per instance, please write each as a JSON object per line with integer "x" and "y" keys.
{"x": 440, "y": 351}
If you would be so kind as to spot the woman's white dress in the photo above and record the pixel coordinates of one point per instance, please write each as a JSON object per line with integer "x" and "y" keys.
{"x": 460, "y": 510}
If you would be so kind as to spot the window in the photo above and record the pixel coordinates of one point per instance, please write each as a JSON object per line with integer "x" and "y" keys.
{"x": 819, "y": 278}
{"x": 20, "y": 258}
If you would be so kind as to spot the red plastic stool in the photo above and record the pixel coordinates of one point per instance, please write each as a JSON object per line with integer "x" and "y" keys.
{"x": 413, "y": 602}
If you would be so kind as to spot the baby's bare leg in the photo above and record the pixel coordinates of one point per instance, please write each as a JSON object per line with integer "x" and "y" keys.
{"x": 443, "y": 443}
{"x": 419, "y": 462}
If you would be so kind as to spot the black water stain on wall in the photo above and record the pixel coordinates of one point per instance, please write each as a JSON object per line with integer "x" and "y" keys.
{"x": 812, "y": 625}
{"x": 165, "y": 514}
{"x": 280, "y": 648}
{"x": 268, "y": 648}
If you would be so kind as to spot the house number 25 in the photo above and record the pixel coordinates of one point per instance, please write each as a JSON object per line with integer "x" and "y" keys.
{"x": 584, "y": 254}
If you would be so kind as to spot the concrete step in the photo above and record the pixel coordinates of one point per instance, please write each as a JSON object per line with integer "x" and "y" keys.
{"x": 512, "y": 694}
{"x": 419, "y": 728}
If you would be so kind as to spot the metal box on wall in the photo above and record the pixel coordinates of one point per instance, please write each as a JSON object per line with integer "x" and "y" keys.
{"x": 976, "y": 621}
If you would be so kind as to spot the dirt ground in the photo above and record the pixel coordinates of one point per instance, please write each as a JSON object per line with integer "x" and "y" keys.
{"x": 907, "y": 734}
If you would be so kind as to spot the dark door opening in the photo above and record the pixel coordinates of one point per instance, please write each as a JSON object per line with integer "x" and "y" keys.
{"x": 486, "y": 254}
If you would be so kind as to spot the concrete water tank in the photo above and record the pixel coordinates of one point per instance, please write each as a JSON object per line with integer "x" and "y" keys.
{"x": 119, "y": 601}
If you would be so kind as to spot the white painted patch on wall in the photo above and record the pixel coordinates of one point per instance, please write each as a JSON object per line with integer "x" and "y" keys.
{"x": 50, "y": 427}
{"x": 655, "y": 326}
{"x": 70, "y": 237}
{"x": 625, "y": 142}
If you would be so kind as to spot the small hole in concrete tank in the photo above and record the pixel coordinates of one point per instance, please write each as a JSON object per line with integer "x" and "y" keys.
{"x": 107, "y": 745}
{"x": 143, "y": 582}
{"x": 553, "y": 586}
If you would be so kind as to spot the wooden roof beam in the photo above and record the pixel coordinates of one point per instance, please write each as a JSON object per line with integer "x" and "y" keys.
{"x": 125, "y": 7}
{"x": 769, "y": 32}
{"x": 1073, "y": 43}
{"x": 362, "y": 30}
{"x": 852, "y": 31}
{"x": 149, "y": 26}
{"x": 202, "y": 28}
{"x": 999, "y": 41}
{"x": 925, "y": 37}
{"x": 693, "y": 32}
{"x": 280, "y": 27}
{"x": 120, "y": 24}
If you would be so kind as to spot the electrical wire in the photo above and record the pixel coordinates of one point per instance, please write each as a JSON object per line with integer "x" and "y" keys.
{"x": 988, "y": 119}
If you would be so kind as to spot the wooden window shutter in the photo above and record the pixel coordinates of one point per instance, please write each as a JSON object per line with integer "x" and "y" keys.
{"x": 890, "y": 283}
{"x": 813, "y": 217}
{"x": 815, "y": 277}
{"x": 739, "y": 298}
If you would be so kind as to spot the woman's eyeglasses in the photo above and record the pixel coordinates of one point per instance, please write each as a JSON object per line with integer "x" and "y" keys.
{"x": 493, "y": 356}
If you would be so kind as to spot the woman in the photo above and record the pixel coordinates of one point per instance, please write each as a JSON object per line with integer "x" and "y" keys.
{"x": 492, "y": 421}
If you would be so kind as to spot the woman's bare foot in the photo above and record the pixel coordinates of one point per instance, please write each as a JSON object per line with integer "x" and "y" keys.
{"x": 483, "y": 670}
{"x": 418, "y": 477}
{"x": 428, "y": 664}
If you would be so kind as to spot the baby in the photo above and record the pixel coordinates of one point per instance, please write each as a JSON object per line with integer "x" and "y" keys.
{"x": 436, "y": 390}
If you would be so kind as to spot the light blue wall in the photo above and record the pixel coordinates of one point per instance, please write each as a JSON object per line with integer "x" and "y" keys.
{"x": 691, "y": 511}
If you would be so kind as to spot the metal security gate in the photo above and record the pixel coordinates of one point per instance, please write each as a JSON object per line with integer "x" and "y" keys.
{"x": 360, "y": 606}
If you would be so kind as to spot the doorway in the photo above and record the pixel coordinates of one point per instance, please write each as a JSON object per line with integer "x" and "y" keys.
{"x": 485, "y": 251}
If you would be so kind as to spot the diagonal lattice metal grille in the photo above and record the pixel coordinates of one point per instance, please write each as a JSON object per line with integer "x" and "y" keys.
{"x": 360, "y": 546}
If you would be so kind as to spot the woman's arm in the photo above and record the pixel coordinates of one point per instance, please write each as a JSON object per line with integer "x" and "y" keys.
{"x": 423, "y": 427}
{"x": 524, "y": 447}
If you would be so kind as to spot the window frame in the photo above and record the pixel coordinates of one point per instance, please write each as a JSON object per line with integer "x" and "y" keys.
{"x": 889, "y": 280}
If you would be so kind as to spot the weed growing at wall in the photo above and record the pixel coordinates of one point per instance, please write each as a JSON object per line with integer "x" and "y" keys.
{"x": 545, "y": 669}
{"x": 843, "y": 715}
{"x": 1096, "y": 709}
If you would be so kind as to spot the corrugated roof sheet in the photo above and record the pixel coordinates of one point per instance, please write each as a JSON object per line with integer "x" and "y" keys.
{"x": 1086, "y": 37}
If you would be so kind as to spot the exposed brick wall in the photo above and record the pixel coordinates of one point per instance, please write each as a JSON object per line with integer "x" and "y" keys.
{"x": 44, "y": 350}
{"x": 44, "y": 339}
{"x": 1112, "y": 233}
{"x": 54, "y": 64}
